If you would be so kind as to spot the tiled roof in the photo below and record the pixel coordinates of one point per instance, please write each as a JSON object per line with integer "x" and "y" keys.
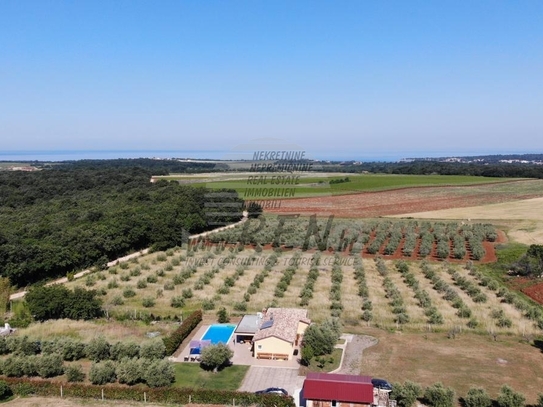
{"x": 285, "y": 323}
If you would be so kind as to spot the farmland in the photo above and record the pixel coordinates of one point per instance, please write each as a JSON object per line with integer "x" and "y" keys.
{"x": 310, "y": 184}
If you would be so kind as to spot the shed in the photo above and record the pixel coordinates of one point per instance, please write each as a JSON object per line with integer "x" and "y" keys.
{"x": 334, "y": 390}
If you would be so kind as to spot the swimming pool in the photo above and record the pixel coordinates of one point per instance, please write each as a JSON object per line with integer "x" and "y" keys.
{"x": 219, "y": 333}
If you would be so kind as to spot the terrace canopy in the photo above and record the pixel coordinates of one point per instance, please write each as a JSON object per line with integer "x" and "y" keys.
{"x": 196, "y": 346}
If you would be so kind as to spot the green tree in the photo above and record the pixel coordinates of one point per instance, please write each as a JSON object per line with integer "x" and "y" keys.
{"x": 406, "y": 394}
{"x": 130, "y": 371}
{"x": 222, "y": 316}
{"x": 5, "y": 390}
{"x": 102, "y": 372}
{"x": 74, "y": 373}
{"x": 159, "y": 373}
{"x": 153, "y": 349}
{"x": 98, "y": 349}
{"x": 216, "y": 356}
{"x": 477, "y": 397}
{"x": 438, "y": 395}
{"x": 510, "y": 398}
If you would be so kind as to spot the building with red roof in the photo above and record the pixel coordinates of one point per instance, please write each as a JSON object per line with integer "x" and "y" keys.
{"x": 337, "y": 390}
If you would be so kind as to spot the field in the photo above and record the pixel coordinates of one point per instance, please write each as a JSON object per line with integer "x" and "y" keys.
{"x": 406, "y": 201}
{"x": 311, "y": 184}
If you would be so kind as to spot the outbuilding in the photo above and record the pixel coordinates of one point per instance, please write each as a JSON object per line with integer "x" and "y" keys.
{"x": 337, "y": 390}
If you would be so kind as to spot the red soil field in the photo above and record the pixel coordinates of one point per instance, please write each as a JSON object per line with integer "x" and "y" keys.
{"x": 535, "y": 292}
{"x": 397, "y": 202}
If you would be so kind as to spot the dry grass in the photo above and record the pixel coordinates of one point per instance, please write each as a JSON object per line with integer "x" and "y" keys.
{"x": 86, "y": 330}
{"x": 469, "y": 360}
{"x": 524, "y": 218}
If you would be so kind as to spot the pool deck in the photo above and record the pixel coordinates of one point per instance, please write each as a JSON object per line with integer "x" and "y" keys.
{"x": 242, "y": 354}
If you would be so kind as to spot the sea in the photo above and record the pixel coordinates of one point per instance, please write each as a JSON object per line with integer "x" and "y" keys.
{"x": 73, "y": 155}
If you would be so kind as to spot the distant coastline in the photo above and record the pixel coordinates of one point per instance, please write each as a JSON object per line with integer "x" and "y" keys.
{"x": 71, "y": 155}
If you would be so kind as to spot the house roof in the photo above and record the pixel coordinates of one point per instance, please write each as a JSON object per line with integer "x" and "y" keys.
{"x": 249, "y": 324}
{"x": 281, "y": 323}
{"x": 338, "y": 387}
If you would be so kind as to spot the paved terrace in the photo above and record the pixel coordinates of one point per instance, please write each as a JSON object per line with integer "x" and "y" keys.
{"x": 242, "y": 354}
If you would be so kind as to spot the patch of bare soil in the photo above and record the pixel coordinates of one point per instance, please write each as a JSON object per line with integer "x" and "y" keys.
{"x": 402, "y": 201}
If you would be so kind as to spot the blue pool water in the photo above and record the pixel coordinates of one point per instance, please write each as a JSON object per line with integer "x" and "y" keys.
{"x": 219, "y": 333}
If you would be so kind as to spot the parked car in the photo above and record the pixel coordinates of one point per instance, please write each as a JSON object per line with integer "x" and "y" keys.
{"x": 381, "y": 384}
{"x": 273, "y": 390}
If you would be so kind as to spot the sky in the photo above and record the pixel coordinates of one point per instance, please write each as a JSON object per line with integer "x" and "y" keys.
{"x": 349, "y": 79}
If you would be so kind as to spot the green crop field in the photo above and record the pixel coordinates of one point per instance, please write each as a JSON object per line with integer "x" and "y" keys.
{"x": 305, "y": 185}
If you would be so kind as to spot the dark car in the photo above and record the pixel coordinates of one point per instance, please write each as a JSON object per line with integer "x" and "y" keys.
{"x": 381, "y": 384}
{"x": 273, "y": 390}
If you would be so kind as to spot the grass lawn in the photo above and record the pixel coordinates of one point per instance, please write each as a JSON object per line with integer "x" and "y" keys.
{"x": 192, "y": 375}
{"x": 331, "y": 362}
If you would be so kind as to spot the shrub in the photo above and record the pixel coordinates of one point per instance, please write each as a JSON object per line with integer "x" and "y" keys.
{"x": 129, "y": 293}
{"x": 113, "y": 284}
{"x": 102, "y": 372}
{"x": 510, "y": 398}
{"x": 177, "y": 302}
{"x": 117, "y": 300}
{"x": 141, "y": 284}
{"x": 129, "y": 371}
{"x": 148, "y": 302}
{"x": 50, "y": 366}
{"x": 438, "y": 395}
{"x": 74, "y": 373}
{"x": 187, "y": 293}
{"x": 240, "y": 306}
{"x": 122, "y": 350}
{"x": 405, "y": 394}
{"x": 159, "y": 373}
{"x": 153, "y": 350}
{"x": 73, "y": 350}
{"x": 222, "y": 316}
{"x": 13, "y": 366}
{"x": 477, "y": 397}
{"x": 208, "y": 305}
{"x": 152, "y": 279}
{"x": 5, "y": 390}
{"x": 98, "y": 349}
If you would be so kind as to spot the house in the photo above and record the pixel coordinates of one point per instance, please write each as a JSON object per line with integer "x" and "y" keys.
{"x": 280, "y": 333}
{"x": 337, "y": 390}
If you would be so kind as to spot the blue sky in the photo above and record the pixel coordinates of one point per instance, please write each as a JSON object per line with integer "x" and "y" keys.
{"x": 339, "y": 78}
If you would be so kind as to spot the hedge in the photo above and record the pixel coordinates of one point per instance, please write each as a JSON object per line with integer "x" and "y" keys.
{"x": 45, "y": 388}
{"x": 173, "y": 341}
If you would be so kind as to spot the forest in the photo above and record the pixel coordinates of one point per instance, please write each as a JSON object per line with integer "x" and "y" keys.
{"x": 70, "y": 216}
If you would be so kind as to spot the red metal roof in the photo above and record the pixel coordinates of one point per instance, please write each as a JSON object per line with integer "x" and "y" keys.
{"x": 339, "y": 387}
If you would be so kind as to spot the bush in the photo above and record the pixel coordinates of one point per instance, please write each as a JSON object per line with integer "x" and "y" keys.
{"x": 98, "y": 349}
{"x": 177, "y": 302}
{"x": 477, "y": 397}
{"x": 159, "y": 373}
{"x": 222, "y": 316}
{"x": 50, "y": 366}
{"x": 73, "y": 350}
{"x": 129, "y": 371}
{"x": 5, "y": 390}
{"x": 117, "y": 300}
{"x": 122, "y": 350}
{"x": 129, "y": 293}
{"x": 153, "y": 349}
{"x": 152, "y": 279}
{"x": 438, "y": 395}
{"x": 187, "y": 293}
{"x": 208, "y": 305}
{"x": 240, "y": 306}
{"x": 74, "y": 373}
{"x": 102, "y": 372}
{"x": 13, "y": 366}
{"x": 510, "y": 398}
{"x": 141, "y": 284}
{"x": 148, "y": 302}
{"x": 405, "y": 394}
